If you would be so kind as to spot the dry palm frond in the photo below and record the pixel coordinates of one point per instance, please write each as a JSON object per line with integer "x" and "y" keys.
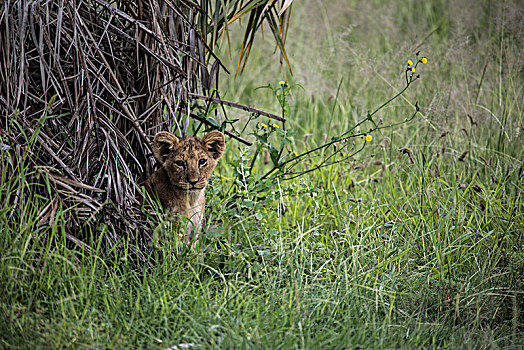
{"x": 86, "y": 84}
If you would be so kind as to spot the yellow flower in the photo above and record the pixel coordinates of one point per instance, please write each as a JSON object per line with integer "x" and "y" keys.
{"x": 263, "y": 125}
{"x": 282, "y": 82}
{"x": 265, "y": 210}
{"x": 369, "y": 138}
{"x": 413, "y": 69}
{"x": 276, "y": 126}
{"x": 410, "y": 62}
{"x": 424, "y": 60}
{"x": 295, "y": 153}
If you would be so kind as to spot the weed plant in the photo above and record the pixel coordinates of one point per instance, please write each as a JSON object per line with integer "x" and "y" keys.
{"x": 414, "y": 242}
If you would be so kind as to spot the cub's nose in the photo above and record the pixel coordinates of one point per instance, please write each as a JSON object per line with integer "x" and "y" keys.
{"x": 192, "y": 182}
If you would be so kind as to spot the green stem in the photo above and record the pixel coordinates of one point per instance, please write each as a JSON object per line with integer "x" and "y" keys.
{"x": 343, "y": 136}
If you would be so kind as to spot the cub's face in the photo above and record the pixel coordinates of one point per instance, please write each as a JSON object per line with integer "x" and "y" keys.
{"x": 189, "y": 161}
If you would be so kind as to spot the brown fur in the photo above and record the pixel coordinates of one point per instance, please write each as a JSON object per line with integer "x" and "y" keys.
{"x": 187, "y": 164}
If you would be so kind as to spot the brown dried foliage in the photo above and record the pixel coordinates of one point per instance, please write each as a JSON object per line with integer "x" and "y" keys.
{"x": 92, "y": 82}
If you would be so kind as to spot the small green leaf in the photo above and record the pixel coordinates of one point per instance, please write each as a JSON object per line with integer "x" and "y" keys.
{"x": 212, "y": 121}
{"x": 51, "y": 101}
{"x": 273, "y": 153}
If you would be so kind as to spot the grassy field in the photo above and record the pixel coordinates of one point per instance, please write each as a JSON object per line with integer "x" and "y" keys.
{"x": 417, "y": 241}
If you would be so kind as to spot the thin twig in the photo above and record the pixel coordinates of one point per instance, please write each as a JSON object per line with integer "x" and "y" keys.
{"x": 230, "y": 134}
{"x": 237, "y": 105}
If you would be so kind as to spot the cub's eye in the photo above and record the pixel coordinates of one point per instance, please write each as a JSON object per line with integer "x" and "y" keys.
{"x": 202, "y": 162}
{"x": 180, "y": 163}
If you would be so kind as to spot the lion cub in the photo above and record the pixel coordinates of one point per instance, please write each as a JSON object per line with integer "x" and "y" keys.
{"x": 187, "y": 164}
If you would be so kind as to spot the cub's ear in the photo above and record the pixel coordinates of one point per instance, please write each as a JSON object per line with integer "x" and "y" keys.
{"x": 215, "y": 143}
{"x": 163, "y": 144}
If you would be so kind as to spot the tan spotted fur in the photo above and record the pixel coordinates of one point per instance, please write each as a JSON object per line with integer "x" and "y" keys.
{"x": 186, "y": 165}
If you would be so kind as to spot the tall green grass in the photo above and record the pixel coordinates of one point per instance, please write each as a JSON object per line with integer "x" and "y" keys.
{"x": 415, "y": 249}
